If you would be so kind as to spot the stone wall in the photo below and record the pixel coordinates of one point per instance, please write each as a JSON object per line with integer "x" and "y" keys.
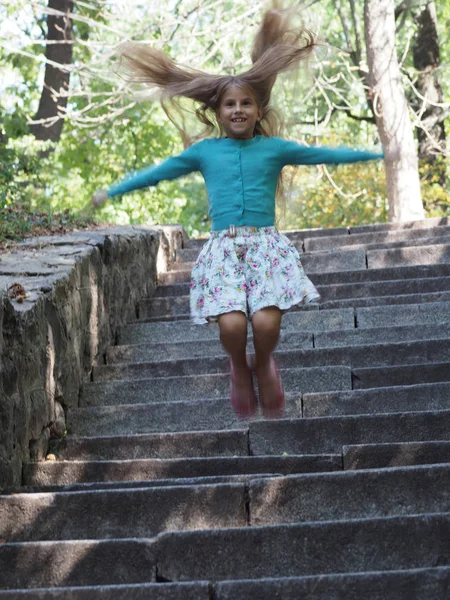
{"x": 73, "y": 292}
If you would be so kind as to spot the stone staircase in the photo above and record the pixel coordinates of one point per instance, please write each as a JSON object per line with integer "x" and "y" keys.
{"x": 159, "y": 492}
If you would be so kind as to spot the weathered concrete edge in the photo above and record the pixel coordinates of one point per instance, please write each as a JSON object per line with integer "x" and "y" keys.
{"x": 172, "y": 238}
{"x": 90, "y": 284}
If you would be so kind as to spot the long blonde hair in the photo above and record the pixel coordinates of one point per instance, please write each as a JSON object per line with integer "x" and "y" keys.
{"x": 278, "y": 47}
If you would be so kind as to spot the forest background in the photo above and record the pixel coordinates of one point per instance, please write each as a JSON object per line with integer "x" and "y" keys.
{"x": 70, "y": 125}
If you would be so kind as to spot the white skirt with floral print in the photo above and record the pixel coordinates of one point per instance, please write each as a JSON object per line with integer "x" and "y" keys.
{"x": 257, "y": 268}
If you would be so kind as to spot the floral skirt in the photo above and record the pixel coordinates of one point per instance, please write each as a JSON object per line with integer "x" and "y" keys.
{"x": 257, "y": 268}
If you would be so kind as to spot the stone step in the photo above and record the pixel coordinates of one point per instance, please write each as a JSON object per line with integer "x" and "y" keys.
{"x": 182, "y": 331}
{"x": 128, "y": 485}
{"x": 140, "y": 388}
{"x": 379, "y": 335}
{"x": 412, "y": 236}
{"x": 193, "y": 444}
{"x": 364, "y": 545}
{"x": 141, "y": 591}
{"x": 423, "y": 242}
{"x": 426, "y": 314}
{"x": 196, "y": 349}
{"x": 170, "y": 306}
{"x": 386, "y": 300}
{"x": 360, "y": 494}
{"x": 173, "y": 277}
{"x": 372, "y": 354}
{"x": 350, "y": 260}
{"x": 177, "y": 267}
{"x": 419, "y": 255}
{"x": 392, "y": 273}
{"x": 330, "y": 434}
{"x": 162, "y": 319}
{"x": 162, "y": 417}
{"x": 415, "y": 584}
{"x": 121, "y": 513}
{"x": 69, "y": 472}
{"x": 404, "y": 226}
{"x": 428, "y": 351}
{"x": 344, "y": 277}
{"x": 187, "y": 255}
{"x": 113, "y": 514}
{"x": 379, "y": 456}
{"x": 402, "y": 375}
{"x": 174, "y": 289}
{"x": 395, "y": 399}
{"x": 76, "y": 563}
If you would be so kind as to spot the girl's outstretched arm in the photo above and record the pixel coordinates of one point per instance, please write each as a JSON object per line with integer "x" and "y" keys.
{"x": 176, "y": 166}
{"x": 293, "y": 153}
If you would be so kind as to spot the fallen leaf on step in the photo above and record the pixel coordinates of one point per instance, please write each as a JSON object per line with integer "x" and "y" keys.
{"x": 17, "y": 292}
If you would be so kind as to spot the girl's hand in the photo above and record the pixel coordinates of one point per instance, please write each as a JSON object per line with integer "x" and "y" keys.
{"x": 99, "y": 198}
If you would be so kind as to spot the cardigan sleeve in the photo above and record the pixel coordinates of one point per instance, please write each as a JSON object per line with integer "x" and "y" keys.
{"x": 175, "y": 166}
{"x": 293, "y": 153}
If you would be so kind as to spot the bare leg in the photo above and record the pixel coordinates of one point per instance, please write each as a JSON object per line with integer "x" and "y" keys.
{"x": 266, "y": 325}
{"x": 266, "y": 332}
{"x": 233, "y": 335}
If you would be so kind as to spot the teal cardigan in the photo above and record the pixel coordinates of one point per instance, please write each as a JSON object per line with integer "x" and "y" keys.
{"x": 241, "y": 175}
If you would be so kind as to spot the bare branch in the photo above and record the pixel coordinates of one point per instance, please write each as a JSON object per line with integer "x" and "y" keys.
{"x": 345, "y": 28}
{"x": 339, "y": 190}
{"x": 75, "y": 17}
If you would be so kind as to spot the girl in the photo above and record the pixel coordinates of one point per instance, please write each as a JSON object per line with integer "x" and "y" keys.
{"x": 247, "y": 269}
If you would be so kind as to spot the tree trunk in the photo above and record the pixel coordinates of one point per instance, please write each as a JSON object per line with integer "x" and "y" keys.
{"x": 431, "y": 134}
{"x": 391, "y": 108}
{"x": 56, "y": 81}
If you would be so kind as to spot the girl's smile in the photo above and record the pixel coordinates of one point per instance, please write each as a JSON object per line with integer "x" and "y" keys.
{"x": 238, "y": 113}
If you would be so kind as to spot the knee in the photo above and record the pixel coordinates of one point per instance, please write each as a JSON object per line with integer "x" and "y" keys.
{"x": 232, "y": 323}
{"x": 266, "y": 323}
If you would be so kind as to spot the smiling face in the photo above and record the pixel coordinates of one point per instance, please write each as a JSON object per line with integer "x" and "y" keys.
{"x": 238, "y": 112}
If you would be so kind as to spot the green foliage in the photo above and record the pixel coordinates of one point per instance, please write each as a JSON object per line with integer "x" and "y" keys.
{"x": 90, "y": 163}
{"x": 347, "y": 195}
{"x": 18, "y": 222}
{"x": 435, "y": 195}
{"x": 20, "y": 169}
{"x": 24, "y": 181}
